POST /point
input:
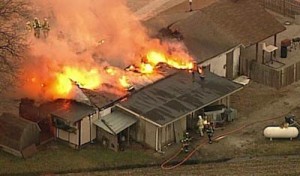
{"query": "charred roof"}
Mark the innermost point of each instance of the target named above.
(68, 110)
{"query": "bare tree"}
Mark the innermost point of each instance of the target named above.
(13, 14)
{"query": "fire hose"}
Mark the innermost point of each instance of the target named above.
(163, 165)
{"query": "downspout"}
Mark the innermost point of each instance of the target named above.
(275, 41)
(156, 140)
(90, 128)
(79, 135)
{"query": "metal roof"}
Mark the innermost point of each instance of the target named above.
(108, 94)
(115, 122)
(69, 110)
(176, 96)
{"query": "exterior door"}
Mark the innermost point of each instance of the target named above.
(229, 65)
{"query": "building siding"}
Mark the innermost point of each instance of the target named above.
(218, 63)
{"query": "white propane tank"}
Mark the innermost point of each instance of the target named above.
(278, 132)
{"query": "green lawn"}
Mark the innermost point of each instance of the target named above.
(59, 158)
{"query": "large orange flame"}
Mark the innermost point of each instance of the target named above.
(125, 82)
(155, 57)
(61, 84)
(89, 79)
(146, 68)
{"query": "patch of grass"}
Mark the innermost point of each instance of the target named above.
(58, 158)
(275, 147)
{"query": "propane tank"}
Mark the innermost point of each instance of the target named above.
(279, 132)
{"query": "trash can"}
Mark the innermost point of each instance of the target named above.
(283, 49)
(283, 52)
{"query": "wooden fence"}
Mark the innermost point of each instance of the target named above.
(275, 78)
(288, 8)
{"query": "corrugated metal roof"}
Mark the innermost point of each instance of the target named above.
(170, 99)
(112, 94)
(117, 122)
(68, 110)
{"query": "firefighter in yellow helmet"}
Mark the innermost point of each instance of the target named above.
(45, 27)
(37, 27)
(28, 26)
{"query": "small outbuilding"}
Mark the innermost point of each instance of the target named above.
(30, 110)
(114, 129)
(73, 121)
(18, 136)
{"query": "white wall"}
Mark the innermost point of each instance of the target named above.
(69, 137)
(105, 112)
(85, 130)
(217, 64)
(88, 129)
(236, 61)
(87, 133)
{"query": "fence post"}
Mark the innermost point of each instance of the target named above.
(282, 75)
(295, 72)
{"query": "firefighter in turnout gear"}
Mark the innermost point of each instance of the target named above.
(28, 26)
(210, 132)
(45, 27)
(37, 27)
(200, 125)
(186, 142)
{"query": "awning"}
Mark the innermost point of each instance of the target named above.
(115, 122)
(244, 80)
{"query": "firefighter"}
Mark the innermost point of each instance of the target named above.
(28, 26)
(205, 122)
(193, 75)
(193, 70)
(37, 27)
(210, 132)
(201, 72)
(186, 142)
(45, 27)
(200, 125)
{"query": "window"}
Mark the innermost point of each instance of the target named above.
(60, 124)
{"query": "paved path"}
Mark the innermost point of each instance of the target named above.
(155, 7)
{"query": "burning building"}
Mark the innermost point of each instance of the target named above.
(68, 120)
(149, 95)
